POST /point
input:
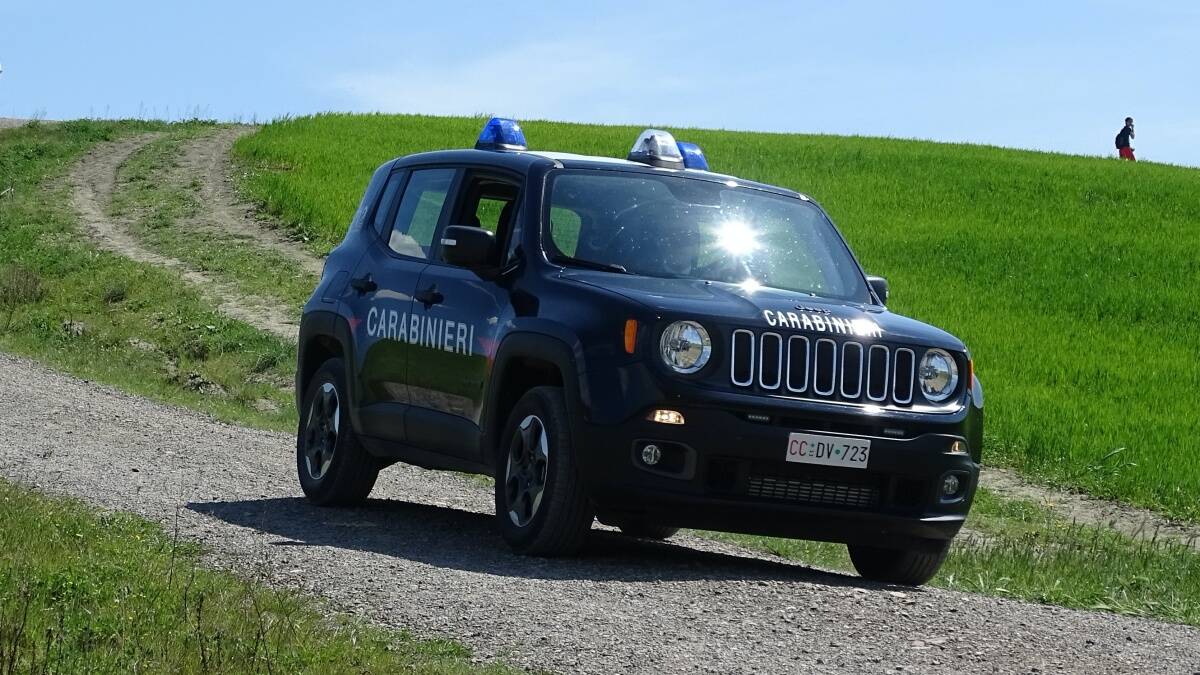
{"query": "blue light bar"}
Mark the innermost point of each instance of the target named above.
(501, 134)
(693, 156)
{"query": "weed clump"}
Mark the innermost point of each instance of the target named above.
(114, 294)
(19, 286)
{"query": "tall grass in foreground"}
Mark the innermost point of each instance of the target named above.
(1071, 278)
(81, 592)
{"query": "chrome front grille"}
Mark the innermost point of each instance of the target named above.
(822, 368)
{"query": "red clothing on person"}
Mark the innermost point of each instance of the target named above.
(1127, 153)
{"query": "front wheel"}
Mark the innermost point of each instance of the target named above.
(541, 507)
(333, 467)
(910, 567)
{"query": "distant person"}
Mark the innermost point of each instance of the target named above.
(1124, 148)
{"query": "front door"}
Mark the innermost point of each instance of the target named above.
(383, 286)
(460, 316)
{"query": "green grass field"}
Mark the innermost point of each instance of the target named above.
(142, 329)
(1067, 276)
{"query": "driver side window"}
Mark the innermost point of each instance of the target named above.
(491, 202)
(565, 226)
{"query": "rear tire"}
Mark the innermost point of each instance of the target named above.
(333, 468)
(541, 506)
(645, 530)
(910, 567)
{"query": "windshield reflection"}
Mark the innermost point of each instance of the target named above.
(689, 228)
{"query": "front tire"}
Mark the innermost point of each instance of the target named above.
(541, 506)
(910, 567)
(333, 468)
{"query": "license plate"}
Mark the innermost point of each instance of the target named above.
(852, 453)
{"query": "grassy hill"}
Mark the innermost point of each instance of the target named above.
(1069, 277)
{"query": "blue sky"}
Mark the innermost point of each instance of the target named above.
(1047, 75)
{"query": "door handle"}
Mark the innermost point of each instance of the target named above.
(364, 284)
(429, 296)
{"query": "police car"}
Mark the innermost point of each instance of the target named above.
(639, 341)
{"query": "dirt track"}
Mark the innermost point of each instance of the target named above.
(93, 181)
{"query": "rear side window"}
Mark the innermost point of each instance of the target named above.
(419, 212)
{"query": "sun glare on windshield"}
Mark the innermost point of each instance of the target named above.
(750, 285)
(737, 238)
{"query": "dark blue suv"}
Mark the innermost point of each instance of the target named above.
(636, 340)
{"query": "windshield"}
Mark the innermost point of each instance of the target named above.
(670, 226)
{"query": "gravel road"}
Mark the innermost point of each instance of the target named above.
(423, 555)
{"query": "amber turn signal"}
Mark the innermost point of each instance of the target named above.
(631, 327)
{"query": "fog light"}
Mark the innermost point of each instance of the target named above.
(651, 454)
(667, 417)
(950, 485)
(958, 447)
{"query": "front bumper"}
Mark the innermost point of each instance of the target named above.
(725, 469)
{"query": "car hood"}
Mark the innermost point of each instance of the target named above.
(766, 308)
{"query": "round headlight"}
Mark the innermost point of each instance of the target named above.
(685, 346)
(938, 375)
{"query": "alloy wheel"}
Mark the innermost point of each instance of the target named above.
(525, 478)
(321, 431)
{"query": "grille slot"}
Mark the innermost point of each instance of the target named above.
(811, 491)
(824, 363)
(741, 364)
(878, 361)
(822, 368)
(902, 381)
(852, 368)
(770, 361)
(798, 364)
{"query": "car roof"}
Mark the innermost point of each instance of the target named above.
(523, 160)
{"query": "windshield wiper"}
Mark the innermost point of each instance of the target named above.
(590, 264)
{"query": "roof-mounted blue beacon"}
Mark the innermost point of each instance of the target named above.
(501, 134)
(693, 156)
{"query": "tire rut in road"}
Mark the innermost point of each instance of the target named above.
(424, 555)
(93, 181)
(208, 159)
(1134, 522)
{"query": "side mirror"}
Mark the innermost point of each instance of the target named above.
(468, 246)
(880, 286)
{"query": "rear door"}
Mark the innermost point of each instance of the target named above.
(410, 211)
(460, 315)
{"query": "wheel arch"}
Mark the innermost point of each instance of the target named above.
(526, 360)
(323, 335)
